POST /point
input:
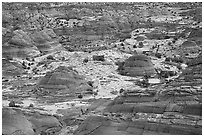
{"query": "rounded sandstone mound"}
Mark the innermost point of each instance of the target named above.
(188, 44)
(20, 45)
(46, 40)
(11, 68)
(64, 78)
(24, 44)
(189, 47)
(138, 65)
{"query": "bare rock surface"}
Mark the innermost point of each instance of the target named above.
(15, 123)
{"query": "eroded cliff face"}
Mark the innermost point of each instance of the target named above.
(82, 68)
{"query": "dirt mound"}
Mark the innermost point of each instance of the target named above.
(137, 65)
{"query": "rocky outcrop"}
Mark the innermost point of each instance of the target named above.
(14, 123)
(45, 124)
(21, 121)
(97, 125)
(169, 109)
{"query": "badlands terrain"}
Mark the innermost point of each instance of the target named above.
(102, 68)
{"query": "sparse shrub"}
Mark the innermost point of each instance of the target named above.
(169, 43)
(80, 96)
(24, 65)
(158, 55)
(85, 60)
(114, 92)
(63, 58)
(69, 49)
(179, 67)
(95, 93)
(177, 60)
(120, 65)
(168, 59)
(31, 105)
(166, 37)
(121, 90)
(12, 104)
(98, 58)
(141, 45)
(28, 59)
(9, 58)
(90, 90)
(175, 38)
(166, 75)
(172, 73)
(188, 78)
(90, 83)
(50, 57)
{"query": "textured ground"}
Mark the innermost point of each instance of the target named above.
(38, 38)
